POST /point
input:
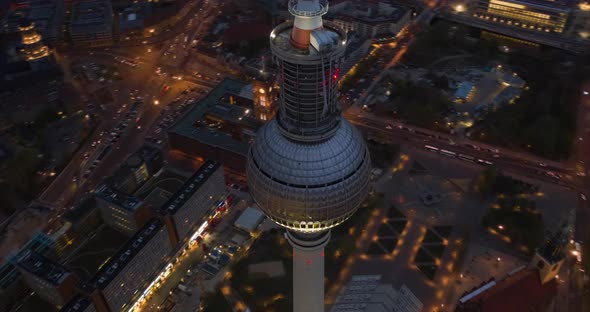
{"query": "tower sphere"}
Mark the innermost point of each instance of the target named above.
(308, 187)
(308, 169)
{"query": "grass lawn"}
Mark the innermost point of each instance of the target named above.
(385, 230)
(428, 270)
(398, 225)
(216, 302)
(431, 237)
(90, 257)
(375, 249)
(423, 256)
(258, 290)
(436, 250)
(389, 244)
(443, 230)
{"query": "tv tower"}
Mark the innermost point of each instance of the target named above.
(308, 168)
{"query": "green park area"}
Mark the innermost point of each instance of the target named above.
(513, 214)
(542, 120)
(419, 104)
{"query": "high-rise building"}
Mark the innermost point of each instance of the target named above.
(33, 47)
(121, 211)
(128, 273)
(194, 201)
(308, 168)
(92, 23)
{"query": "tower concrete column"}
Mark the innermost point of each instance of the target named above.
(308, 270)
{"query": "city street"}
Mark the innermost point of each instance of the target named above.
(141, 81)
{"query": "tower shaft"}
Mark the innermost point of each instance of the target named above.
(308, 271)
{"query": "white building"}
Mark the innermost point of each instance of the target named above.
(200, 195)
(249, 219)
(366, 293)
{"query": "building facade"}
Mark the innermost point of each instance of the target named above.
(199, 196)
(51, 281)
(121, 211)
(137, 169)
(544, 16)
(125, 276)
(91, 23)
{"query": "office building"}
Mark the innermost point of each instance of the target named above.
(128, 273)
(308, 168)
(265, 100)
(367, 293)
(137, 169)
(370, 21)
(219, 126)
(535, 15)
(33, 48)
(121, 211)
(197, 199)
(49, 280)
(91, 23)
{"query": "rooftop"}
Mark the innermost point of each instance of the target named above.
(91, 12)
(191, 186)
(188, 125)
(388, 13)
(42, 267)
(145, 154)
(78, 303)
(520, 291)
(116, 264)
(249, 219)
(281, 38)
(120, 199)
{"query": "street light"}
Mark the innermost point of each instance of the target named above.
(156, 102)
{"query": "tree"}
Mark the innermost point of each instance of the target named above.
(485, 181)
